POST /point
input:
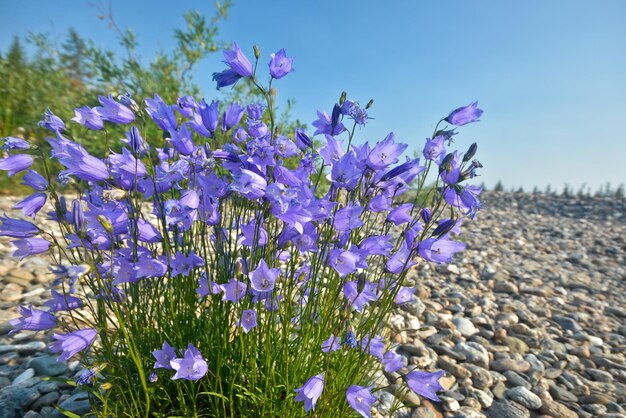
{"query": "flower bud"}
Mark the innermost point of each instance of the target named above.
(105, 223)
(470, 152)
(342, 99)
(444, 227)
(334, 119)
(257, 53)
(78, 217)
(426, 215)
(369, 104)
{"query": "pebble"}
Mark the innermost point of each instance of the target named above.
(524, 397)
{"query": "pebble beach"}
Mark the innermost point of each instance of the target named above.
(529, 321)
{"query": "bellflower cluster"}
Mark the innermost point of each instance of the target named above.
(274, 257)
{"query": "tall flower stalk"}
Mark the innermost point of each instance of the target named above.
(212, 276)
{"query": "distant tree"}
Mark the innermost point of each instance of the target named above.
(499, 187)
(567, 192)
(75, 58)
(619, 192)
(536, 190)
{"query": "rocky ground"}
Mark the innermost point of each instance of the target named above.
(529, 322)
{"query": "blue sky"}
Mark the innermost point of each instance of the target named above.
(550, 75)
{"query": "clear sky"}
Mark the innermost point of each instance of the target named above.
(550, 75)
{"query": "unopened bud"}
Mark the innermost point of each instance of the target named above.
(369, 104)
(444, 227)
(105, 223)
(470, 152)
(257, 53)
(342, 98)
(426, 215)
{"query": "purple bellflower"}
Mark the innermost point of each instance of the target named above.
(385, 153)
(439, 250)
(262, 279)
(17, 228)
(52, 122)
(191, 367)
(32, 204)
(331, 344)
(164, 356)
(89, 118)
(280, 65)
(113, 111)
(30, 246)
(360, 399)
(310, 392)
(237, 61)
(234, 290)
(62, 302)
(14, 164)
(425, 384)
(72, 343)
(248, 320)
(32, 320)
(392, 361)
(12, 143)
(464, 115)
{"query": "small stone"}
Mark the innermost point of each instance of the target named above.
(464, 326)
(25, 375)
(515, 344)
(524, 397)
(599, 375)
(467, 412)
(451, 367)
(505, 287)
(556, 409)
(46, 400)
(507, 409)
(47, 366)
(595, 398)
(502, 365)
(473, 353)
(77, 403)
(567, 323)
(514, 379)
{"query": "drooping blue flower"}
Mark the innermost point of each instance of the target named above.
(434, 149)
(12, 143)
(345, 172)
(439, 250)
(255, 111)
(280, 65)
(237, 61)
(89, 118)
(405, 295)
(182, 140)
(285, 147)
(401, 214)
(348, 218)
(232, 116)
(425, 384)
(464, 115)
(16, 163)
(360, 399)
(32, 204)
(374, 346)
(191, 367)
(32, 319)
(392, 361)
(226, 78)
(72, 343)
(30, 246)
(113, 111)
(52, 122)
(310, 392)
(186, 106)
(62, 302)
(183, 264)
(302, 140)
(87, 376)
(17, 228)
(162, 114)
(400, 261)
(83, 165)
(377, 245)
(164, 356)
(358, 300)
(35, 180)
(249, 184)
